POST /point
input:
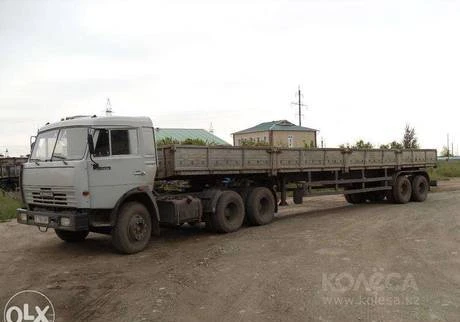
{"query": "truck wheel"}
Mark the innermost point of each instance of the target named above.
(298, 196)
(260, 206)
(402, 190)
(72, 236)
(348, 198)
(355, 198)
(229, 213)
(132, 231)
(419, 188)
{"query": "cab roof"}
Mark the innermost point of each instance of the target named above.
(101, 121)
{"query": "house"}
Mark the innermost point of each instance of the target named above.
(277, 133)
(180, 135)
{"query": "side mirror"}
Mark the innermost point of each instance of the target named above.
(90, 144)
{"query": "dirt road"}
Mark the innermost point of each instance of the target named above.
(332, 262)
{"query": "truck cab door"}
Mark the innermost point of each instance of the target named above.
(120, 166)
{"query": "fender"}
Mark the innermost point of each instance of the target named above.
(144, 196)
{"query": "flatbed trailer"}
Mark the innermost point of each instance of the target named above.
(312, 171)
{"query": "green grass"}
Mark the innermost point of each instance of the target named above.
(445, 170)
(8, 206)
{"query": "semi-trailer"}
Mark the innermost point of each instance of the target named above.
(106, 175)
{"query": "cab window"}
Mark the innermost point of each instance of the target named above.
(115, 142)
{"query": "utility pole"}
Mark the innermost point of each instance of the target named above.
(448, 153)
(299, 104)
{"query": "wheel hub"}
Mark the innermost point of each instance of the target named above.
(137, 228)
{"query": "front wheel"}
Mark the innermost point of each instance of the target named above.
(132, 231)
(72, 236)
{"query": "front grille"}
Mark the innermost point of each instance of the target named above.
(58, 197)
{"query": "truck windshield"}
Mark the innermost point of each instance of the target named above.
(60, 144)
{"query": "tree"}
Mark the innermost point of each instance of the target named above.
(409, 139)
(194, 142)
(396, 145)
(188, 141)
(167, 141)
(445, 152)
(361, 145)
(310, 145)
(384, 146)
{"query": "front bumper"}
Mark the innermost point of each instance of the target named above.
(66, 220)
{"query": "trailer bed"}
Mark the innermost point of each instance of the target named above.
(178, 161)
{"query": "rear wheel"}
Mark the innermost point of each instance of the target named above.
(356, 198)
(229, 213)
(419, 188)
(72, 236)
(348, 198)
(132, 231)
(298, 196)
(260, 206)
(402, 190)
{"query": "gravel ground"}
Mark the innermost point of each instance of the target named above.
(325, 260)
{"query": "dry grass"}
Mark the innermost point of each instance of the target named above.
(446, 169)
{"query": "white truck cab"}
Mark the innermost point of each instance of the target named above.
(82, 169)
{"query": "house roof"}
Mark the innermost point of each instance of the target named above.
(183, 134)
(281, 125)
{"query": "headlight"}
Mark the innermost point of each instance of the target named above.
(65, 221)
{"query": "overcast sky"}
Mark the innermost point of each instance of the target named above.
(366, 67)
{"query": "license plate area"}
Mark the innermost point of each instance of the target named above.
(41, 220)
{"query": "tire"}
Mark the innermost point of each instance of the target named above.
(298, 196)
(72, 236)
(356, 198)
(420, 188)
(260, 206)
(348, 198)
(229, 215)
(133, 229)
(402, 190)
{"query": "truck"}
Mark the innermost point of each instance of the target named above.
(106, 175)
